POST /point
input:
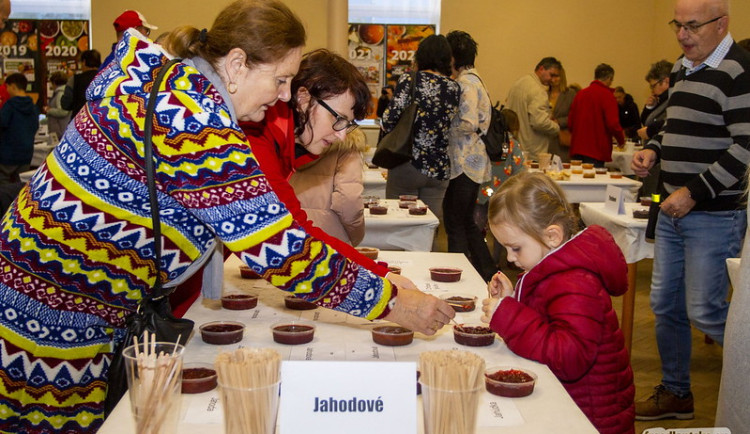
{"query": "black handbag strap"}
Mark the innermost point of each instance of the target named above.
(158, 292)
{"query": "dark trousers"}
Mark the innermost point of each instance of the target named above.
(464, 236)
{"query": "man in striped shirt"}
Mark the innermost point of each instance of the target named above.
(704, 153)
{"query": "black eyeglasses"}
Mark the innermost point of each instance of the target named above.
(690, 27)
(341, 122)
(656, 83)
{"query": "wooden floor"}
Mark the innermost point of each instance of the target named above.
(705, 368)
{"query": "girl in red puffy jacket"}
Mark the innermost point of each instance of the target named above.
(560, 312)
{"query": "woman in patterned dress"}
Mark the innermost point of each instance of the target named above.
(428, 173)
(76, 251)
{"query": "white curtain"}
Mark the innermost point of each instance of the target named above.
(51, 9)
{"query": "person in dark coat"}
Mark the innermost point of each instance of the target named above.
(75, 94)
(19, 120)
(629, 115)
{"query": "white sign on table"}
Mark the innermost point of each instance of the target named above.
(347, 397)
(615, 200)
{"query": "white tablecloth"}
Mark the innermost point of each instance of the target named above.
(549, 409)
(399, 230)
(579, 189)
(374, 182)
(628, 232)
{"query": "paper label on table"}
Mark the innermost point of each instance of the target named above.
(325, 315)
(556, 163)
(687, 431)
(615, 200)
(203, 408)
(345, 397)
(342, 352)
(498, 411)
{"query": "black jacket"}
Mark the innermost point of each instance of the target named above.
(19, 120)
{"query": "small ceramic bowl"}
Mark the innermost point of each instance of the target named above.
(509, 381)
(418, 209)
(461, 303)
(293, 332)
(392, 335)
(294, 303)
(370, 252)
(473, 335)
(248, 273)
(378, 209)
(222, 332)
(198, 377)
(239, 301)
(445, 274)
(408, 197)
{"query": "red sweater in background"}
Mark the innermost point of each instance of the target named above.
(593, 121)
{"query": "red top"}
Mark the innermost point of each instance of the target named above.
(565, 320)
(593, 120)
(273, 144)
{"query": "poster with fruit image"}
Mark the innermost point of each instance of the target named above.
(401, 44)
(63, 40)
(19, 51)
(366, 51)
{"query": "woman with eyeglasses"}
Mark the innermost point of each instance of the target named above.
(655, 110)
(328, 96)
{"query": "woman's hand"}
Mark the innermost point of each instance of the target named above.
(420, 312)
(400, 281)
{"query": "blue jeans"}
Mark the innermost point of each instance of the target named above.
(690, 284)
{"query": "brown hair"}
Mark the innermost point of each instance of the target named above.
(532, 202)
(266, 30)
(58, 78)
(326, 74)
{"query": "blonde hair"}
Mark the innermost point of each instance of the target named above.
(532, 201)
(266, 30)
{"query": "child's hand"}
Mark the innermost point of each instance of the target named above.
(500, 286)
(489, 305)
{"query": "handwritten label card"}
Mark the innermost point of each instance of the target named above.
(347, 397)
(615, 200)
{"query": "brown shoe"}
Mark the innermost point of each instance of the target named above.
(664, 404)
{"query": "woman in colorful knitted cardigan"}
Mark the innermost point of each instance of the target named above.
(76, 252)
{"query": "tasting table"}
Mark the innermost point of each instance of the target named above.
(579, 189)
(339, 337)
(399, 230)
(630, 235)
(373, 181)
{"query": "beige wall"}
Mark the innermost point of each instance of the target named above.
(512, 35)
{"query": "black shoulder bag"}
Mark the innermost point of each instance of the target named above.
(394, 148)
(496, 140)
(154, 312)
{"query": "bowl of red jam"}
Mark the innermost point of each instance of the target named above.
(198, 378)
(247, 273)
(378, 209)
(392, 335)
(370, 252)
(294, 303)
(473, 335)
(293, 332)
(222, 332)
(418, 209)
(239, 301)
(445, 274)
(509, 381)
(461, 303)
(408, 197)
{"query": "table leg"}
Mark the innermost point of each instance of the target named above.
(628, 307)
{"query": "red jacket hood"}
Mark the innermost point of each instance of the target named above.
(592, 249)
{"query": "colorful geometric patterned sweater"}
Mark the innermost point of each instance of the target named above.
(76, 248)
